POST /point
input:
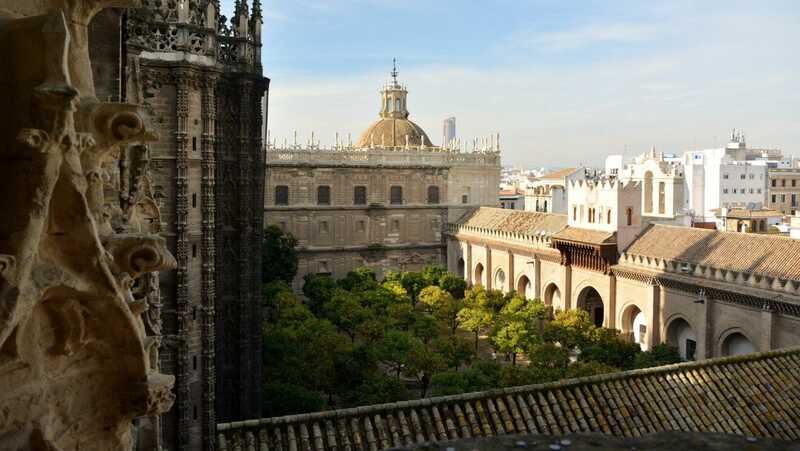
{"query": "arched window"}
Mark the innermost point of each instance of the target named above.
(398, 105)
(500, 280)
(629, 216)
(323, 195)
(388, 104)
(574, 213)
(648, 192)
(396, 195)
(281, 195)
(545, 207)
(433, 194)
(360, 195)
(608, 216)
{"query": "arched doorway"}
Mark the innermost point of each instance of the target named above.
(478, 279)
(737, 344)
(634, 325)
(500, 280)
(524, 287)
(589, 299)
(461, 269)
(681, 336)
(552, 295)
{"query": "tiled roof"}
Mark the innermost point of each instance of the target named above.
(746, 213)
(754, 395)
(586, 236)
(769, 255)
(514, 221)
(558, 175)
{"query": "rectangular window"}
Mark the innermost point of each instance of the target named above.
(323, 226)
(742, 176)
(281, 195)
(774, 183)
(751, 191)
(783, 198)
(323, 195)
(396, 195)
(194, 200)
(752, 176)
(464, 199)
(794, 183)
(194, 143)
(783, 182)
(774, 198)
(433, 194)
(794, 200)
(360, 195)
(725, 176)
(725, 190)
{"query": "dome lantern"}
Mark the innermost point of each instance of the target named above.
(395, 129)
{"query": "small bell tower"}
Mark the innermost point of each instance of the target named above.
(393, 98)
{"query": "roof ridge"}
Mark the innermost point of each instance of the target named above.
(563, 383)
(726, 232)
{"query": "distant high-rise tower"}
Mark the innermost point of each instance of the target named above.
(449, 132)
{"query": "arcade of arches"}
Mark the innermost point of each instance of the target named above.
(645, 309)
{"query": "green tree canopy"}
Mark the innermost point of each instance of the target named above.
(279, 261)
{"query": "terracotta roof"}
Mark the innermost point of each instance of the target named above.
(769, 255)
(753, 395)
(745, 213)
(586, 236)
(560, 174)
(514, 221)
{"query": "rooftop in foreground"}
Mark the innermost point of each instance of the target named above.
(754, 395)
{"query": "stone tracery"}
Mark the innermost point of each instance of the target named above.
(75, 262)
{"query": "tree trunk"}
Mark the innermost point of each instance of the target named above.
(476, 342)
(513, 359)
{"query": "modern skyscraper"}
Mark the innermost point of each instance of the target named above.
(449, 131)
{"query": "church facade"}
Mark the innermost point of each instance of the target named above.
(197, 78)
(383, 202)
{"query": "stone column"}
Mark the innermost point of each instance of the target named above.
(468, 267)
(566, 296)
(611, 315)
(767, 326)
(537, 273)
(488, 270)
(653, 318)
(511, 277)
(705, 336)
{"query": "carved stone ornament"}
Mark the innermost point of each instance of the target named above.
(76, 362)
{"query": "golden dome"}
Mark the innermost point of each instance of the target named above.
(391, 132)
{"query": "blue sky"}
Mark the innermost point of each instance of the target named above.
(564, 82)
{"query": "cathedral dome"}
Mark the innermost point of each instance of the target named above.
(392, 132)
(394, 129)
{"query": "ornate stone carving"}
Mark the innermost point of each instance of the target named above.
(76, 362)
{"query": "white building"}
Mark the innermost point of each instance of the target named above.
(608, 205)
(662, 184)
(733, 176)
(548, 194)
